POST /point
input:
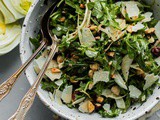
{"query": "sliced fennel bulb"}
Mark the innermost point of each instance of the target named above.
(22, 6)
(12, 31)
(2, 24)
(10, 7)
(11, 46)
(9, 18)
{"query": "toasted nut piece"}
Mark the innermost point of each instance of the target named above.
(60, 59)
(141, 72)
(150, 30)
(90, 73)
(90, 86)
(93, 27)
(113, 76)
(98, 105)
(118, 43)
(73, 59)
(55, 70)
(91, 107)
(134, 17)
(94, 66)
(115, 90)
(110, 63)
(82, 6)
(151, 40)
(73, 81)
(98, 38)
(100, 99)
(111, 54)
(75, 56)
(62, 19)
(129, 29)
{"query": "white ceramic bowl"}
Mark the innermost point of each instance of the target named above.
(30, 29)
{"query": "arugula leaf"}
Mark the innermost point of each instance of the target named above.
(35, 41)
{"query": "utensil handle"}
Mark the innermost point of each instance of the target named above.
(7, 86)
(28, 99)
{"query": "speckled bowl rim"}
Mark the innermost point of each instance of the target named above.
(41, 96)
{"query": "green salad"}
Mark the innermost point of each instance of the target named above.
(108, 58)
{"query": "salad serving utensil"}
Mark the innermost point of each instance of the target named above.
(7, 86)
(28, 99)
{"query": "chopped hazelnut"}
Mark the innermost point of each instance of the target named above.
(134, 17)
(91, 107)
(111, 54)
(73, 59)
(93, 27)
(98, 105)
(90, 86)
(100, 99)
(90, 73)
(94, 66)
(60, 59)
(73, 81)
(82, 6)
(129, 28)
(115, 90)
(113, 76)
(55, 70)
(150, 30)
(110, 63)
(151, 40)
(74, 56)
(62, 19)
(98, 38)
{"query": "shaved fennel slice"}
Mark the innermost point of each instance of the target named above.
(122, 23)
(113, 33)
(100, 75)
(150, 80)
(57, 96)
(137, 27)
(132, 9)
(78, 101)
(83, 107)
(157, 29)
(107, 107)
(91, 53)
(147, 16)
(134, 92)
(16, 14)
(126, 63)
(9, 18)
(87, 38)
(108, 94)
(53, 64)
(11, 46)
(119, 80)
(59, 82)
(157, 60)
(67, 94)
(120, 103)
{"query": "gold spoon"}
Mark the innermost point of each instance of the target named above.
(7, 86)
(29, 97)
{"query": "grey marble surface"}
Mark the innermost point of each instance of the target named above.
(8, 64)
